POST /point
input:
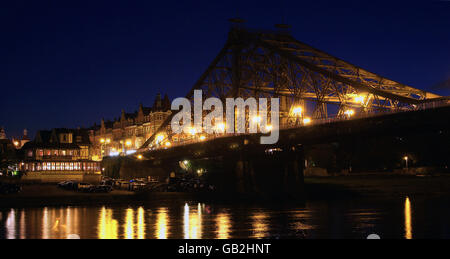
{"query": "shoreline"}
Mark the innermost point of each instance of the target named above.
(316, 188)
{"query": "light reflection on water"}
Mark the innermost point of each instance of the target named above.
(192, 220)
(162, 224)
(408, 224)
(260, 225)
(223, 225)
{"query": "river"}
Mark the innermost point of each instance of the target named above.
(389, 218)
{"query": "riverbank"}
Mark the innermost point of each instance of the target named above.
(51, 195)
(316, 188)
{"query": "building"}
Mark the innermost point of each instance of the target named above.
(59, 154)
(8, 154)
(20, 142)
(130, 131)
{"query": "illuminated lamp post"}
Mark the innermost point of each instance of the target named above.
(297, 112)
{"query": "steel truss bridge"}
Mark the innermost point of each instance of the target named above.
(313, 87)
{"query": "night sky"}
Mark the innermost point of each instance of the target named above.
(71, 63)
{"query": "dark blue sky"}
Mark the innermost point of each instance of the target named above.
(70, 63)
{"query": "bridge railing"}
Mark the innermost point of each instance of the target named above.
(328, 120)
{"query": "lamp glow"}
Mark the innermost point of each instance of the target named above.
(306, 121)
(221, 127)
(297, 111)
(256, 119)
(349, 113)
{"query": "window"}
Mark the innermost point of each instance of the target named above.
(58, 167)
(63, 152)
(53, 167)
(55, 152)
(30, 153)
(41, 152)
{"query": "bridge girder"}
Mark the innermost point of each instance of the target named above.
(274, 64)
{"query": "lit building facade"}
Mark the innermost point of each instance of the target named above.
(59, 151)
(129, 132)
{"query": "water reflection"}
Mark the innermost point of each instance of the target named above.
(223, 224)
(162, 224)
(260, 225)
(141, 224)
(192, 222)
(197, 220)
(408, 224)
(22, 225)
(45, 224)
(129, 224)
(108, 227)
(11, 225)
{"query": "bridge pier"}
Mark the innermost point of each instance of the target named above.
(273, 174)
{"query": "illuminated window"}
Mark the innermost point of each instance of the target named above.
(55, 152)
(53, 166)
(71, 167)
(63, 152)
(48, 152)
(44, 166)
(58, 167)
(30, 153)
(41, 152)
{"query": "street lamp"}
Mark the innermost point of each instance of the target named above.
(256, 119)
(297, 111)
(159, 138)
(349, 113)
(193, 131)
(306, 121)
(220, 127)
